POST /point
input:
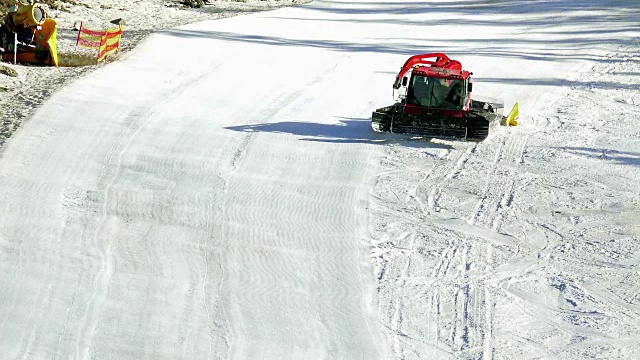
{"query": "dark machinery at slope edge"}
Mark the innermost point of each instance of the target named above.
(28, 35)
(434, 100)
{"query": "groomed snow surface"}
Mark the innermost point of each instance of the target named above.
(218, 193)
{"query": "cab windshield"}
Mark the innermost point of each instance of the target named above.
(436, 92)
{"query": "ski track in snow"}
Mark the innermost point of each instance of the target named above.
(544, 262)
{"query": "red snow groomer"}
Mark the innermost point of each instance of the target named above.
(433, 96)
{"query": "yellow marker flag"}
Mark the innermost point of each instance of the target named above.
(512, 119)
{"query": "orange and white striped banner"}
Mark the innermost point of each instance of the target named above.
(89, 38)
(110, 42)
(106, 41)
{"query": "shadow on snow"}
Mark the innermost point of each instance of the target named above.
(536, 23)
(620, 157)
(348, 131)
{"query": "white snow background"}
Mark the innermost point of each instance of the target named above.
(218, 193)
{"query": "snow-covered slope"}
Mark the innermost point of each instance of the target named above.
(218, 193)
(526, 245)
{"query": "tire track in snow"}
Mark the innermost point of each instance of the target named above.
(449, 303)
(289, 208)
(138, 121)
(487, 331)
(469, 302)
(458, 304)
(436, 178)
(491, 208)
(397, 315)
(447, 174)
(106, 266)
(500, 180)
(466, 295)
(570, 272)
(44, 295)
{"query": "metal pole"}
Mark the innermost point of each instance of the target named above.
(15, 47)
